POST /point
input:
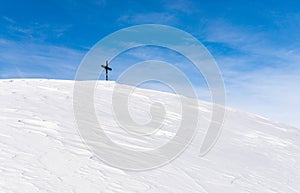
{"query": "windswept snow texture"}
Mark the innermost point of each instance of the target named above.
(41, 150)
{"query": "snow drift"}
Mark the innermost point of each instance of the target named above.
(41, 149)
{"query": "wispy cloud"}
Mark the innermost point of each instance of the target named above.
(145, 18)
(8, 19)
(184, 6)
(27, 60)
(34, 30)
(261, 76)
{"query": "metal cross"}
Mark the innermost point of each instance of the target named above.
(106, 69)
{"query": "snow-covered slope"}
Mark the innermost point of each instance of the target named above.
(41, 150)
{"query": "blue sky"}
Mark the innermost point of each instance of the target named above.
(256, 44)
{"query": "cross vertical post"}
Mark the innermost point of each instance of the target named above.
(106, 69)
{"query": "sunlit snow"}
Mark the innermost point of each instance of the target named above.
(41, 149)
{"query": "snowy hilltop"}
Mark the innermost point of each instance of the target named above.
(41, 149)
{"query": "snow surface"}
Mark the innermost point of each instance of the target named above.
(41, 150)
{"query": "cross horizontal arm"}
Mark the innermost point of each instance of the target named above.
(106, 67)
